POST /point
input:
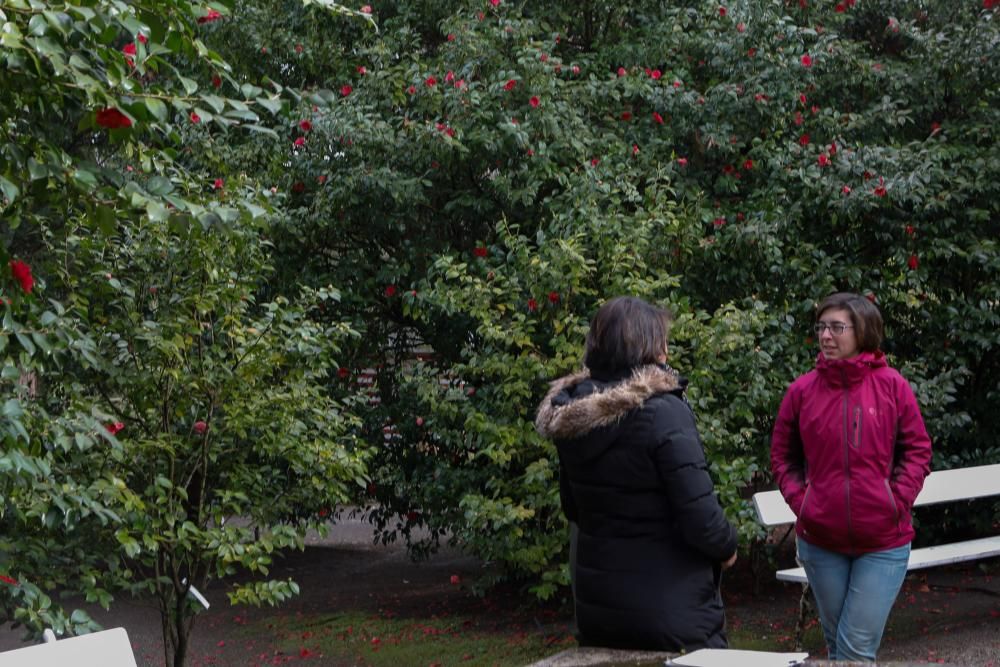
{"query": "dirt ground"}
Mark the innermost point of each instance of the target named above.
(942, 615)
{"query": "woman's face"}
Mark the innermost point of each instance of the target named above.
(837, 346)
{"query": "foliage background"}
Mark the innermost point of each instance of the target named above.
(474, 179)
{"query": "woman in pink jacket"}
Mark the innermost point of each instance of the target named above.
(850, 453)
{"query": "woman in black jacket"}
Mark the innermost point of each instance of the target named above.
(652, 537)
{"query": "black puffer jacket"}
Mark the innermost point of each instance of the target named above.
(652, 534)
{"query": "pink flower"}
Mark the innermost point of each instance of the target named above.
(449, 77)
(115, 428)
(412, 90)
(300, 142)
(22, 274)
(621, 71)
(212, 15)
(741, 27)
(305, 125)
(195, 118)
(451, 37)
(510, 85)
(142, 38)
(722, 11)
(806, 60)
(362, 70)
(367, 9)
(677, 84)
(455, 579)
(658, 118)
(682, 161)
(200, 427)
(346, 90)
(798, 118)
(594, 162)
(218, 184)
(419, 421)
(534, 102)
(635, 149)
(655, 74)
(846, 189)
(576, 69)
(495, 3)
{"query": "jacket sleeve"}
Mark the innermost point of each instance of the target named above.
(787, 457)
(912, 458)
(683, 470)
(566, 494)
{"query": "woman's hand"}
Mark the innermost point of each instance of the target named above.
(729, 563)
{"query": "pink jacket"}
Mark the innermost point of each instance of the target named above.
(850, 453)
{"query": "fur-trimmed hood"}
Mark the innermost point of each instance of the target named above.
(577, 404)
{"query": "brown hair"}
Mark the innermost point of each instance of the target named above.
(865, 317)
(626, 332)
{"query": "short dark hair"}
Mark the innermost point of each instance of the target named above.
(626, 332)
(865, 317)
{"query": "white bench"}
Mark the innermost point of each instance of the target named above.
(940, 487)
(109, 648)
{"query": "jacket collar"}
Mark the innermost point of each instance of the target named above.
(578, 404)
(849, 372)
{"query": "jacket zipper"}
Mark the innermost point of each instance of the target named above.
(847, 457)
(892, 502)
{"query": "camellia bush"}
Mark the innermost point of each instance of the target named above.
(166, 415)
(493, 171)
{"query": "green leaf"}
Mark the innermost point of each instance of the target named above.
(157, 108)
(9, 190)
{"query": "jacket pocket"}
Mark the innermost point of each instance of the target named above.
(893, 505)
(802, 507)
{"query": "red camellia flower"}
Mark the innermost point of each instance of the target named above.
(200, 427)
(217, 81)
(823, 160)
(430, 82)
(218, 184)
(728, 169)
(346, 90)
(553, 297)
(990, 4)
(480, 251)
(806, 60)
(635, 149)
(798, 120)
(22, 274)
(305, 125)
(510, 85)
(722, 11)
(212, 15)
(748, 165)
(682, 161)
(534, 102)
(719, 222)
(455, 579)
(142, 38)
(655, 74)
(833, 149)
(751, 52)
(910, 230)
(449, 77)
(626, 115)
(495, 3)
(913, 262)
(804, 140)
(576, 69)
(621, 71)
(301, 141)
(840, 8)
(741, 27)
(846, 189)
(115, 428)
(298, 187)
(129, 51)
(367, 9)
(658, 118)
(532, 305)
(419, 421)
(594, 162)
(390, 291)
(412, 90)
(195, 118)
(112, 119)
(880, 190)
(8, 580)
(343, 373)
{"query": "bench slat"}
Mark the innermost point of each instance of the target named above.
(941, 486)
(942, 554)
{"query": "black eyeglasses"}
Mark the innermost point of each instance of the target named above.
(836, 328)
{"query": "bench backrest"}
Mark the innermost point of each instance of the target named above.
(110, 648)
(942, 486)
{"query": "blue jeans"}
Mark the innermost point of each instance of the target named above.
(854, 595)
